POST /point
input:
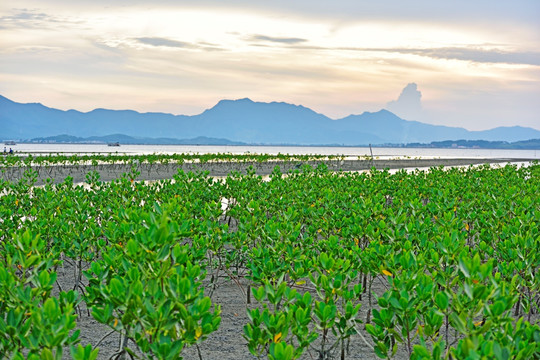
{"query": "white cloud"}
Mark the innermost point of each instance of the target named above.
(409, 103)
(281, 40)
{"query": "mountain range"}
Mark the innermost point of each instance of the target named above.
(239, 121)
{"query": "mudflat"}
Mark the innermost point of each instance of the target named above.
(157, 171)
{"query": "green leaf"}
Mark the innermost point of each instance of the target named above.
(47, 354)
(132, 247)
(458, 323)
(441, 299)
(371, 330)
(420, 352)
(464, 267)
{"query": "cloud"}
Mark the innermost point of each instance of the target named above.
(26, 18)
(282, 40)
(34, 19)
(170, 43)
(475, 54)
(24, 15)
(158, 41)
(523, 11)
(409, 103)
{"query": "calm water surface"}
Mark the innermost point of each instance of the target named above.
(297, 150)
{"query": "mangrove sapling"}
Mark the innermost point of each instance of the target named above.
(407, 301)
(445, 272)
(33, 322)
(156, 298)
(281, 328)
(336, 310)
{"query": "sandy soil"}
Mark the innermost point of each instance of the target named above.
(227, 343)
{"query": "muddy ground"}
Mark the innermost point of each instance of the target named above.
(109, 172)
(227, 343)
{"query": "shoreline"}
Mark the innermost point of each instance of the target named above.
(157, 171)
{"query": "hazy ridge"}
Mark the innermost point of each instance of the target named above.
(237, 122)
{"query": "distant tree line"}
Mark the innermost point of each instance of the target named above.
(480, 144)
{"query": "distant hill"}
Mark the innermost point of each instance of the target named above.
(238, 121)
(125, 139)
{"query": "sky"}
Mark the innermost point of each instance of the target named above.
(473, 64)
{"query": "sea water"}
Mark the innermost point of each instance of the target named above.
(378, 152)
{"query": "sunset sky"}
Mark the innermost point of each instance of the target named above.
(474, 64)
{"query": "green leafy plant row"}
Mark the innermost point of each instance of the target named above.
(438, 264)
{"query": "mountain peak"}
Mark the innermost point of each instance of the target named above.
(236, 101)
(382, 112)
(385, 112)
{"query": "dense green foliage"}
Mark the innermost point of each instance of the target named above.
(439, 264)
